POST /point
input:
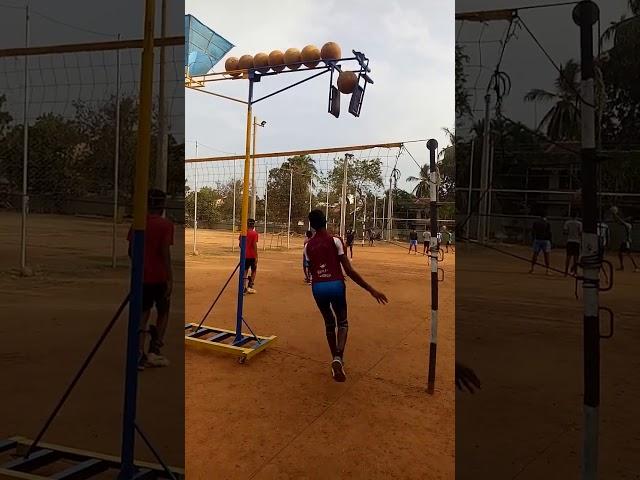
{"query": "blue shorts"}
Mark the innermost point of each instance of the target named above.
(541, 246)
(414, 243)
(305, 262)
(331, 298)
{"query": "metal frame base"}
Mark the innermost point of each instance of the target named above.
(212, 338)
(67, 463)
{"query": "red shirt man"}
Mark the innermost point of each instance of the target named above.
(157, 279)
(251, 256)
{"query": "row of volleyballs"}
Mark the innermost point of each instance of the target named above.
(310, 56)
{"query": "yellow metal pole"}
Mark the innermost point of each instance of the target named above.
(244, 217)
(139, 222)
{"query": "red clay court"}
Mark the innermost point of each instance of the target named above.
(281, 415)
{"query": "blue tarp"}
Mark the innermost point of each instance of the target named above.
(203, 47)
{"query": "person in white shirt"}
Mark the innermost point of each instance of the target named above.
(573, 231)
(603, 236)
(426, 240)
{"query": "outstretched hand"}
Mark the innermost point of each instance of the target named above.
(466, 379)
(379, 296)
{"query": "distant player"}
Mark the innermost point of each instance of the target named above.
(573, 230)
(305, 262)
(370, 236)
(541, 236)
(603, 237)
(251, 257)
(446, 238)
(426, 241)
(326, 254)
(625, 246)
(413, 241)
(157, 279)
(350, 238)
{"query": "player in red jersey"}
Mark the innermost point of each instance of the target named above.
(157, 281)
(326, 256)
(251, 257)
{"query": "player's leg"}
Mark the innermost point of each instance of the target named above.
(254, 272)
(621, 257)
(147, 305)
(323, 301)
(567, 259)
(163, 303)
(546, 251)
(339, 305)
(534, 258)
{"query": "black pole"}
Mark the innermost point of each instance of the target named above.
(585, 15)
(432, 145)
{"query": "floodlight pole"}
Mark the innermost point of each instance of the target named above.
(290, 198)
(432, 145)
(266, 200)
(585, 15)
(484, 175)
(25, 151)
(162, 162)
(116, 168)
(195, 206)
(326, 208)
(253, 167)
(470, 193)
(128, 468)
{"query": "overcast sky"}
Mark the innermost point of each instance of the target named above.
(410, 45)
(523, 60)
(92, 75)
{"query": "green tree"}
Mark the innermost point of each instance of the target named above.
(462, 96)
(562, 121)
(303, 169)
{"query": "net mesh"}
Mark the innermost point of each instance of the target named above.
(71, 148)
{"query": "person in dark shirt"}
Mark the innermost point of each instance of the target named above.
(350, 237)
(326, 256)
(541, 235)
(625, 245)
(413, 241)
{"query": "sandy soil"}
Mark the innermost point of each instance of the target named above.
(281, 415)
(51, 321)
(523, 335)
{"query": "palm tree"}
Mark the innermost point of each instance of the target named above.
(562, 121)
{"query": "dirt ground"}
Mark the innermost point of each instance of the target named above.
(523, 336)
(51, 320)
(281, 415)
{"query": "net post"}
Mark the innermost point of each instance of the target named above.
(432, 145)
(585, 15)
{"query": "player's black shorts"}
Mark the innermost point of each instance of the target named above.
(155, 294)
(426, 243)
(573, 249)
(625, 247)
(250, 263)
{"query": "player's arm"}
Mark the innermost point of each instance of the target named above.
(355, 276)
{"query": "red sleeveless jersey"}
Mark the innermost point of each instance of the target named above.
(323, 252)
